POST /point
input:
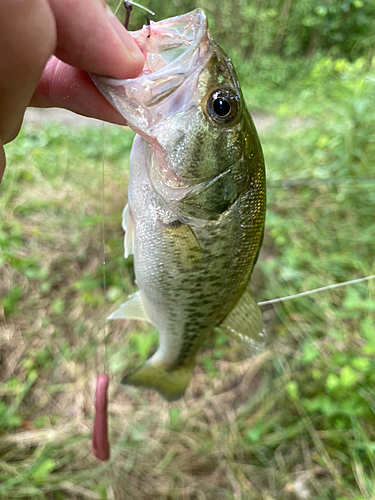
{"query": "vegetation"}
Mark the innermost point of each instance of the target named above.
(294, 422)
(279, 27)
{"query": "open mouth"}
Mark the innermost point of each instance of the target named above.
(173, 50)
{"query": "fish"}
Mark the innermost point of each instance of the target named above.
(196, 208)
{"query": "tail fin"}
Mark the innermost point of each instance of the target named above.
(171, 383)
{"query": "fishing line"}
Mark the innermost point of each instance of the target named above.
(100, 358)
(143, 7)
(316, 290)
(130, 4)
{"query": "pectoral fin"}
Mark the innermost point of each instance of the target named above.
(181, 241)
(132, 309)
(170, 383)
(245, 323)
(128, 226)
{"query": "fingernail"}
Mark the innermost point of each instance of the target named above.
(133, 53)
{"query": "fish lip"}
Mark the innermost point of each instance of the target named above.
(197, 19)
(133, 97)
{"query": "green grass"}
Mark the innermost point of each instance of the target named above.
(297, 418)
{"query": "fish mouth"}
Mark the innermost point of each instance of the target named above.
(174, 51)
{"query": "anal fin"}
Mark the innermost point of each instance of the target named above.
(132, 309)
(244, 323)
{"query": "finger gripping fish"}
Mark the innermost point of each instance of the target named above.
(196, 203)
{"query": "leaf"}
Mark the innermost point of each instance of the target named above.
(41, 472)
(348, 376)
(332, 381)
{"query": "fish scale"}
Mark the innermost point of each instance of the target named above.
(196, 202)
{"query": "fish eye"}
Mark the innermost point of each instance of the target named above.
(223, 106)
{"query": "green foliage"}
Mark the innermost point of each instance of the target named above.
(286, 28)
(321, 225)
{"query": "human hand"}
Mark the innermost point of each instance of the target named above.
(46, 47)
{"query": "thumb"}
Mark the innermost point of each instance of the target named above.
(91, 38)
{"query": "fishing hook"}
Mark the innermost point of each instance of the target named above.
(148, 23)
(128, 7)
(128, 4)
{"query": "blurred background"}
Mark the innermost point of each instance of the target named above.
(294, 422)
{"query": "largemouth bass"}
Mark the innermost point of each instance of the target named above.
(196, 202)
